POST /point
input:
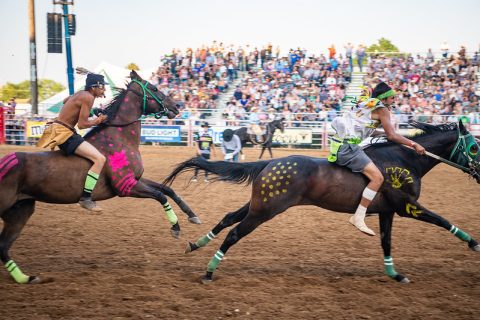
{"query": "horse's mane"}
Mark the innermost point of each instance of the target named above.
(110, 111)
(426, 130)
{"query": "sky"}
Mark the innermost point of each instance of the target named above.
(140, 31)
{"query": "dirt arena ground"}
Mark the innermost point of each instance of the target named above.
(306, 263)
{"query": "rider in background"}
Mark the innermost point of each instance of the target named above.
(357, 125)
(255, 124)
(62, 133)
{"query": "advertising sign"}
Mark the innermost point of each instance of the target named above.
(161, 134)
(35, 128)
(293, 136)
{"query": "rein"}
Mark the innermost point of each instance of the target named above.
(460, 147)
(144, 97)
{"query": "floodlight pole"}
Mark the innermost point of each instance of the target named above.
(68, 46)
(33, 57)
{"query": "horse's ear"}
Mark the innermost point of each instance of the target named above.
(133, 75)
(462, 128)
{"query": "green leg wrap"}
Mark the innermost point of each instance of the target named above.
(171, 216)
(213, 264)
(91, 181)
(203, 241)
(389, 269)
(462, 235)
(16, 273)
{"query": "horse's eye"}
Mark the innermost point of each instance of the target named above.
(474, 149)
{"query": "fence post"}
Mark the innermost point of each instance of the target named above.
(325, 135)
(2, 125)
(189, 133)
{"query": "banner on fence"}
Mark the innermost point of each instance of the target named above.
(2, 126)
(161, 134)
(293, 136)
(35, 128)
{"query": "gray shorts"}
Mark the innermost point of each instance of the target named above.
(352, 157)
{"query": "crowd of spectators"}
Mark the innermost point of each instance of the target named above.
(196, 78)
(430, 90)
(299, 87)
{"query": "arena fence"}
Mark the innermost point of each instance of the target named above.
(299, 133)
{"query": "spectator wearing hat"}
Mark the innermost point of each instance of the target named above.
(205, 147)
(231, 146)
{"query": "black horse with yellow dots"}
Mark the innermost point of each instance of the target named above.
(281, 183)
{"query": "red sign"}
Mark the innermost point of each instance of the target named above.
(2, 125)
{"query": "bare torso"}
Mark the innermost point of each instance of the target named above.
(70, 112)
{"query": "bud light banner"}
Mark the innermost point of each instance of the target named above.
(161, 134)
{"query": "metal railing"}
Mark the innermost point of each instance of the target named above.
(22, 130)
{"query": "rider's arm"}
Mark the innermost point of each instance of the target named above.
(384, 117)
(86, 105)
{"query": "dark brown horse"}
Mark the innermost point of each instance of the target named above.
(54, 178)
(298, 180)
(267, 137)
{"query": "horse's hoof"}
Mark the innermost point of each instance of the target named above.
(38, 280)
(476, 248)
(194, 220)
(401, 279)
(175, 233)
(206, 279)
(473, 245)
(190, 247)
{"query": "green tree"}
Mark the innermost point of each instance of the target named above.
(383, 45)
(46, 89)
(132, 66)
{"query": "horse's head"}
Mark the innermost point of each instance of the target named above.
(154, 101)
(279, 124)
(465, 152)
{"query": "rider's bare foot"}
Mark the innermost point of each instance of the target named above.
(89, 204)
(360, 225)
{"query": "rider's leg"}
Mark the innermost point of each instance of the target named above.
(86, 150)
(369, 193)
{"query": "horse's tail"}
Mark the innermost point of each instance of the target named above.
(234, 172)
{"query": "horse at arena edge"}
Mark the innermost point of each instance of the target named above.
(54, 178)
(267, 137)
(279, 184)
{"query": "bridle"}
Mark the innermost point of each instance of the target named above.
(145, 97)
(460, 157)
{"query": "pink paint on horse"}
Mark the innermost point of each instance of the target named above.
(7, 163)
(118, 160)
(126, 184)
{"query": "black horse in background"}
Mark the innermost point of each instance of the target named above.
(299, 180)
(267, 137)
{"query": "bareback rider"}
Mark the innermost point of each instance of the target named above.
(357, 125)
(61, 133)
